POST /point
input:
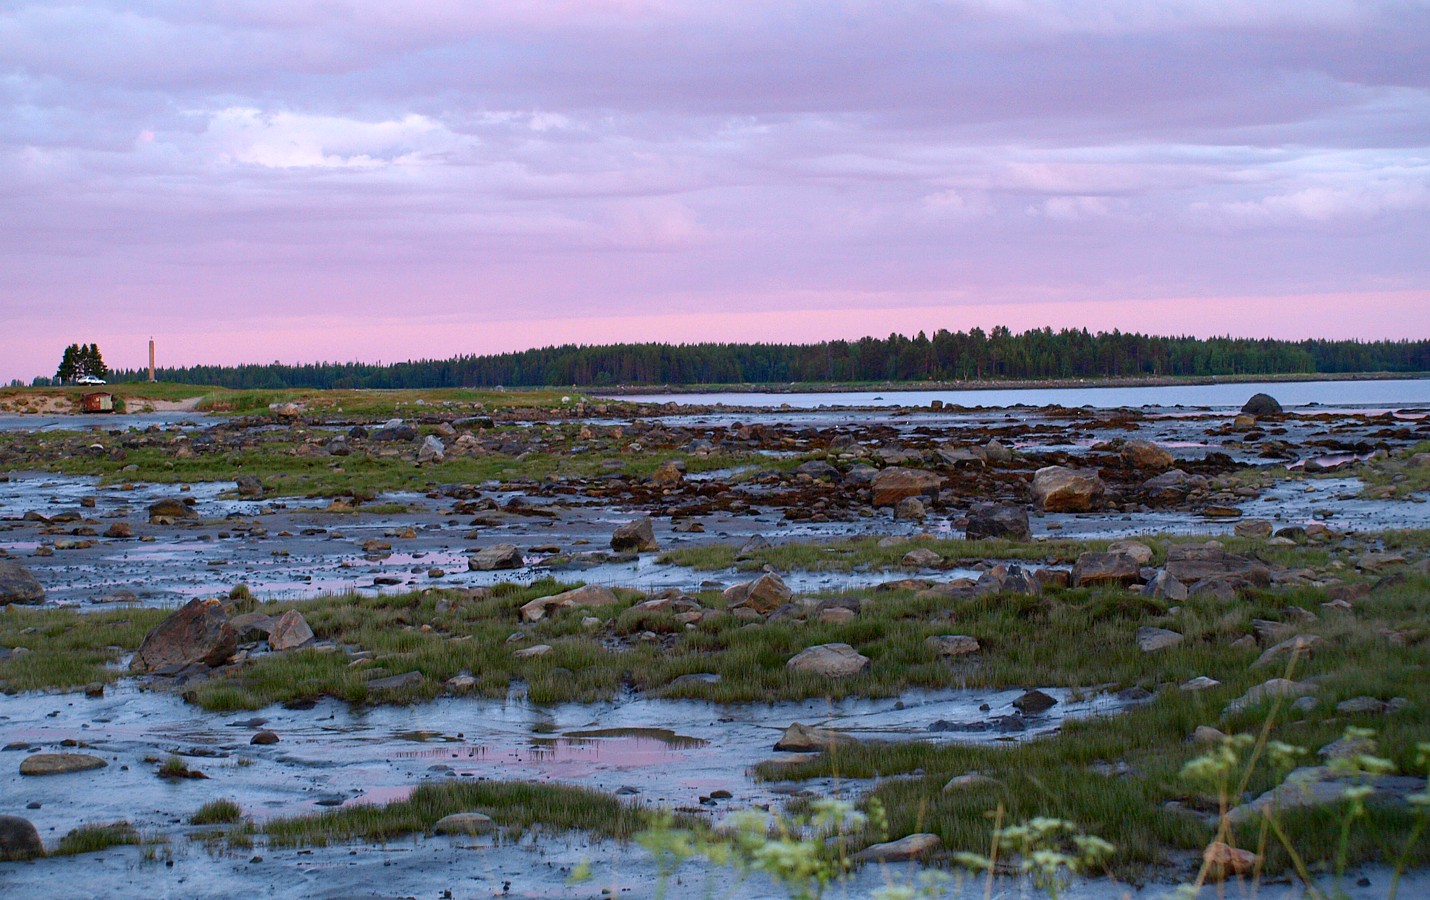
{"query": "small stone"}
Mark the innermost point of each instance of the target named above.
(533, 651)
(264, 737)
(1201, 683)
(1225, 861)
(1206, 734)
(1034, 702)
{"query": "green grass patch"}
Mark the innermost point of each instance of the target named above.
(514, 805)
(217, 812)
(94, 838)
(69, 649)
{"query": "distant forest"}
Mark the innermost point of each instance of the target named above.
(946, 356)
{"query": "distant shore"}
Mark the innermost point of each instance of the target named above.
(1002, 384)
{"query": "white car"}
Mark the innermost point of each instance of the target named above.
(89, 379)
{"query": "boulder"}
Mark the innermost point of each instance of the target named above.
(1276, 687)
(1261, 405)
(1165, 587)
(17, 585)
(464, 823)
(60, 763)
(290, 632)
(1135, 549)
(533, 651)
(1008, 579)
(969, 781)
(998, 520)
(197, 633)
(914, 846)
(807, 739)
(431, 450)
(394, 431)
(1146, 455)
(952, 644)
(763, 595)
(829, 660)
(921, 558)
(1253, 528)
(1034, 702)
(264, 738)
(1311, 786)
(755, 544)
(1173, 486)
(119, 530)
(500, 556)
(170, 508)
(911, 509)
(1190, 563)
(635, 537)
(1301, 646)
(895, 483)
(1224, 861)
(1093, 569)
(19, 839)
(670, 472)
(1060, 489)
(249, 487)
(1150, 640)
(819, 470)
(396, 682)
(587, 596)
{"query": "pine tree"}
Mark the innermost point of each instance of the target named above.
(69, 364)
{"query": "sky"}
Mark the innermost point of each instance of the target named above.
(334, 180)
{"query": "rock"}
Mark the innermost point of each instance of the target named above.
(807, 739)
(1261, 405)
(1008, 579)
(119, 531)
(1321, 785)
(19, 839)
(1276, 687)
(763, 595)
(952, 644)
(1224, 861)
(197, 633)
(1200, 683)
(922, 558)
(670, 472)
(464, 823)
(1093, 569)
(94, 689)
(587, 596)
(1191, 563)
(1347, 748)
(635, 537)
(1135, 549)
(249, 487)
(263, 738)
(1060, 489)
(895, 483)
(914, 846)
(753, 545)
(1146, 455)
(1205, 734)
(996, 453)
(171, 508)
(829, 660)
(290, 632)
(1165, 587)
(1034, 702)
(1150, 640)
(60, 763)
(394, 431)
(432, 450)
(819, 470)
(460, 684)
(533, 651)
(17, 585)
(251, 626)
(969, 781)
(1172, 486)
(500, 556)
(396, 682)
(1361, 706)
(1253, 528)
(998, 520)
(1301, 646)
(911, 509)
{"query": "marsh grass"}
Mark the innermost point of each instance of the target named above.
(94, 838)
(853, 553)
(217, 812)
(514, 805)
(69, 649)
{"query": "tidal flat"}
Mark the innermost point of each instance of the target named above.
(348, 618)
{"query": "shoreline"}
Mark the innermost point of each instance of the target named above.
(1006, 384)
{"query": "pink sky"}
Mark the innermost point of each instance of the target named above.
(249, 181)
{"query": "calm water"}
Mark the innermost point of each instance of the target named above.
(1395, 394)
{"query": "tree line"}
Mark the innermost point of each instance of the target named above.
(946, 356)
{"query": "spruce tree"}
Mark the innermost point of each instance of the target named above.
(69, 364)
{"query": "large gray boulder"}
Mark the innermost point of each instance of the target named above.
(1060, 489)
(998, 520)
(1261, 405)
(17, 585)
(830, 661)
(290, 632)
(499, 556)
(895, 483)
(197, 633)
(764, 595)
(19, 839)
(635, 537)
